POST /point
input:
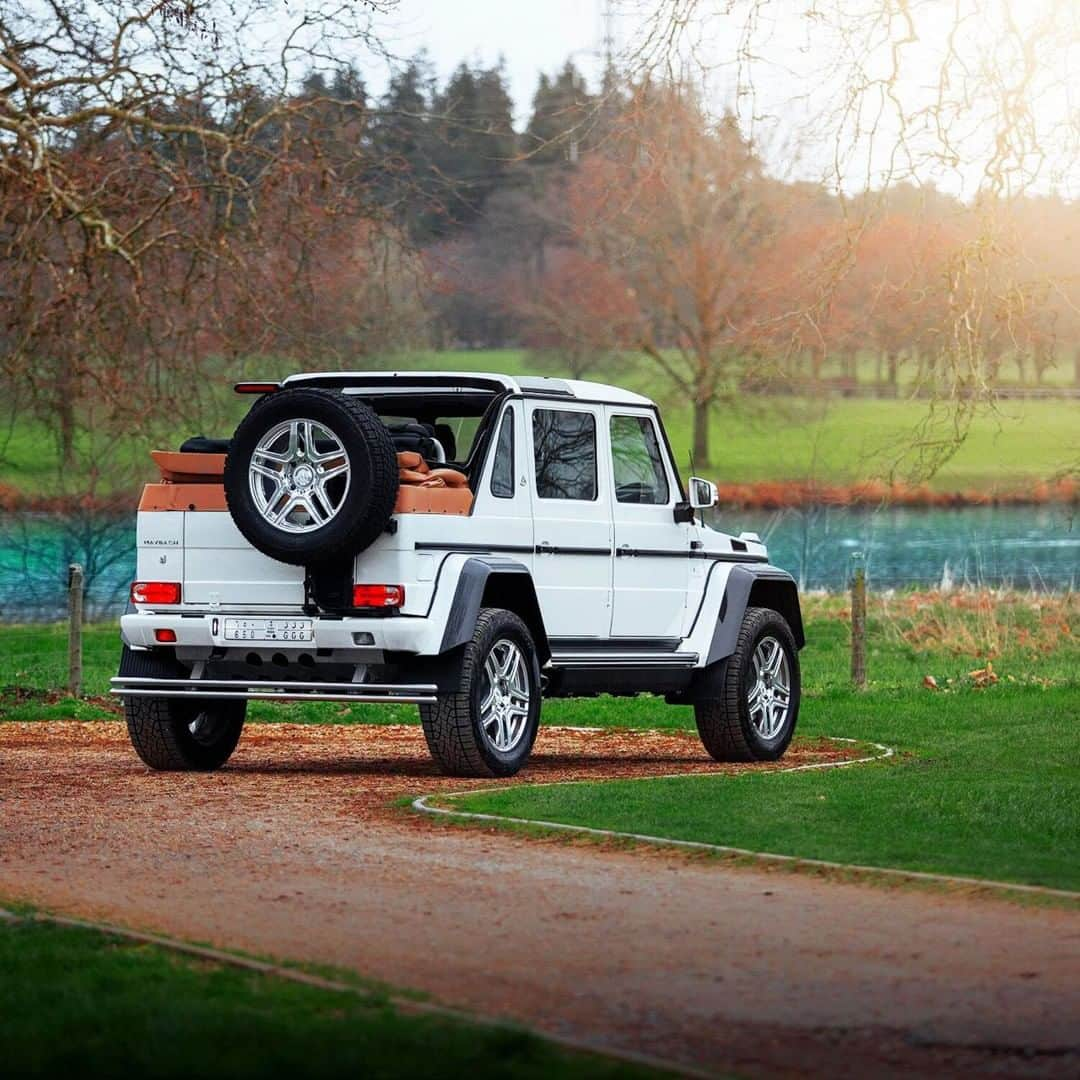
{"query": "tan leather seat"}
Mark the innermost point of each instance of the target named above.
(425, 490)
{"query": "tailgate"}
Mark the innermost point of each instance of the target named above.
(221, 567)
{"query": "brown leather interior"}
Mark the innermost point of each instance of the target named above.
(192, 481)
(177, 467)
(418, 499)
(425, 490)
(173, 496)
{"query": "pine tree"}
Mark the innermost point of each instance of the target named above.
(559, 128)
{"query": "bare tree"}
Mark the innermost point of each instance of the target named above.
(168, 198)
(696, 242)
(975, 95)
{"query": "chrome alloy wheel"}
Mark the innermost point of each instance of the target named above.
(504, 707)
(769, 697)
(299, 475)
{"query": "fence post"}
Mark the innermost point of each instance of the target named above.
(858, 620)
(75, 621)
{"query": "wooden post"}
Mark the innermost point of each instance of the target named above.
(75, 621)
(858, 620)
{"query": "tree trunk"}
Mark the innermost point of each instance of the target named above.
(701, 434)
(65, 410)
(66, 418)
(1076, 367)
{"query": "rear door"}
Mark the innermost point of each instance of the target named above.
(571, 503)
(652, 550)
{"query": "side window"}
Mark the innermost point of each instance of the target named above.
(502, 469)
(565, 447)
(638, 463)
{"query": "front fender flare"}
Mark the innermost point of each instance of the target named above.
(754, 586)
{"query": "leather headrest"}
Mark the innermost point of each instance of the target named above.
(410, 459)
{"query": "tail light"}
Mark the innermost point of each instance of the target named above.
(155, 592)
(164, 634)
(256, 387)
(378, 596)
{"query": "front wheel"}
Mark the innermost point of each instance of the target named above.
(487, 727)
(753, 718)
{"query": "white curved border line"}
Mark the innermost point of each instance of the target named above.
(422, 805)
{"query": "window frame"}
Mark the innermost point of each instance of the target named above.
(560, 407)
(507, 420)
(660, 446)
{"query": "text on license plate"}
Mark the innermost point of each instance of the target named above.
(269, 630)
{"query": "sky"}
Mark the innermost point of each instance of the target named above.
(790, 78)
(532, 37)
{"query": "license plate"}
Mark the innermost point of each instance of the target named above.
(269, 630)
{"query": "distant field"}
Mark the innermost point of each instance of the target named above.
(835, 441)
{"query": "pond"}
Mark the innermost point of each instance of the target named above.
(1021, 547)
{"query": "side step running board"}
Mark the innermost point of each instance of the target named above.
(286, 690)
(609, 659)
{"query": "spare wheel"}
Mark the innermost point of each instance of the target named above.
(311, 476)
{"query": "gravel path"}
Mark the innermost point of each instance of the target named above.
(295, 850)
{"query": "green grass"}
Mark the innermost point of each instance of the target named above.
(987, 783)
(836, 441)
(75, 1001)
(988, 787)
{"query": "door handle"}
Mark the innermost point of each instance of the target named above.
(544, 548)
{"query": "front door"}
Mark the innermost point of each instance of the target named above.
(571, 520)
(652, 550)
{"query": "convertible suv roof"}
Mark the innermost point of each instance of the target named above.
(468, 383)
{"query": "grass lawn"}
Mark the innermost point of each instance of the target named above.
(987, 782)
(836, 441)
(78, 1002)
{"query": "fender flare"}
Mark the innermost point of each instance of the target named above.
(754, 586)
(493, 577)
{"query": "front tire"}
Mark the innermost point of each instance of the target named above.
(754, 716)
(487, 727)
(174, 735)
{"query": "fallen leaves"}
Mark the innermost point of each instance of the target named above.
(985, 676)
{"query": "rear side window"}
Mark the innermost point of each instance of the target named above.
(565, 447)
(638, 465)
(502, 469)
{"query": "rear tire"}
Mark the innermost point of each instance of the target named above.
(173, 735)
(746, 722)
(488, 726)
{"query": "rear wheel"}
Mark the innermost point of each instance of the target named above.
(487, 727)
(754, 716)
(172, 734)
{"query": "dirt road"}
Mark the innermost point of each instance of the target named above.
(294, 850)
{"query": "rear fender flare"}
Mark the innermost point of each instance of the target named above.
(488, 581)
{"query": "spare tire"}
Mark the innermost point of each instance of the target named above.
(311, 476)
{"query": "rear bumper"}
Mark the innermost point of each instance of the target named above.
(358, 639)
(268, 690)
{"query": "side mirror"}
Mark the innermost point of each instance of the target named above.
(703, 493)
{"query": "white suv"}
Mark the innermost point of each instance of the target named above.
(465, 542)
